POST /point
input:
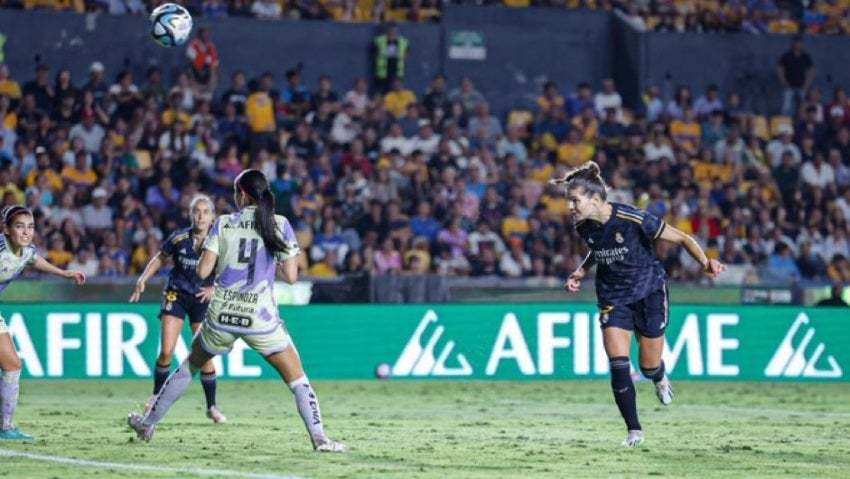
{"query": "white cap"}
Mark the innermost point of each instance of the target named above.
(96, 67)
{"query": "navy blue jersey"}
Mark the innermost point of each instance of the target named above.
(627, 268)
(184, 276)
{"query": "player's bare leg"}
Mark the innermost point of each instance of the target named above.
(288, 365)
(652, 366)
(617, 343)
(209, 383)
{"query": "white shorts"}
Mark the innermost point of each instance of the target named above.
(217, 342)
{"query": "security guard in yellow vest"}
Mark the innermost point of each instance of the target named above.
(389, 52)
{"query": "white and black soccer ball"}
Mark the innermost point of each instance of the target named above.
(171, 25)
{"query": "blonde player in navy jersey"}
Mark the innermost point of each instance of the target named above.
(185, 294)
(16, 253)
(246, 249)
(630, 284)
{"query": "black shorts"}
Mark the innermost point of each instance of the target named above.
(181, 304)
(648, 316)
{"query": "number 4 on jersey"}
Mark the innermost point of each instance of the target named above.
(248, 255)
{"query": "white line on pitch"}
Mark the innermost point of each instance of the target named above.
(698, 407)
(198, 471)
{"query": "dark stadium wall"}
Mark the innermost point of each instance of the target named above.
(733, 61)
(527, 47)
(74, 41)
(524, 48)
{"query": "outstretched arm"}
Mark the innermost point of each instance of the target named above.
(152, 267)
(42, 265)
(709, 266)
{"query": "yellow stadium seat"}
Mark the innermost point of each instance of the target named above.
(652, 21)
(396, 15)
(702, 170)
(777, 121)
(758, 127)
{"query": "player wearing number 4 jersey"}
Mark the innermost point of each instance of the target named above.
(246, 249)
(630, 284)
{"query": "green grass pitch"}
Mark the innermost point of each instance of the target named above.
(434, 429)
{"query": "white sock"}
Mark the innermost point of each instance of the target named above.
(308, 407)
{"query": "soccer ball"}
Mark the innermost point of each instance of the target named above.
(383, 371)
(171, 25)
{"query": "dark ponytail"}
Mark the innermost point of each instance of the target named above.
(253, 183)
(587, 177)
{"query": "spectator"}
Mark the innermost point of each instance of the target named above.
(389, 54)
(85, 262)
(89, 131)
(203, 62)
(237, 93)
(97, 216)
(259, 113)
(80, 174)
(435, 98)
(214, 8)
(608, 98)
(510, 144)
(425, 141)
(483, 126)
(658, 147)
(781, 265)
(326, 268)
(417, 260)
(345, 129)
(96, 84)
(817, 172)
(40, 88)
(515, 263)
(397, 100)
(467, 96)
(810, 264)
(686, 132)
(265, 10)
(485, 239)
(388, 260)
(358, 97)
(781, 145)
(713, 128)
(796, 72)
(154, 88)
(9, 86)
(708, 103)
(836, 297)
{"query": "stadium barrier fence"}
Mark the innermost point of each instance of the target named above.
(460, 342)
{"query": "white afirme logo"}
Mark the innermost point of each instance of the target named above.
(792, 362)
(419, 360)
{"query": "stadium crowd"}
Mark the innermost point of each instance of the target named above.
(408, 182)
(753, 16)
